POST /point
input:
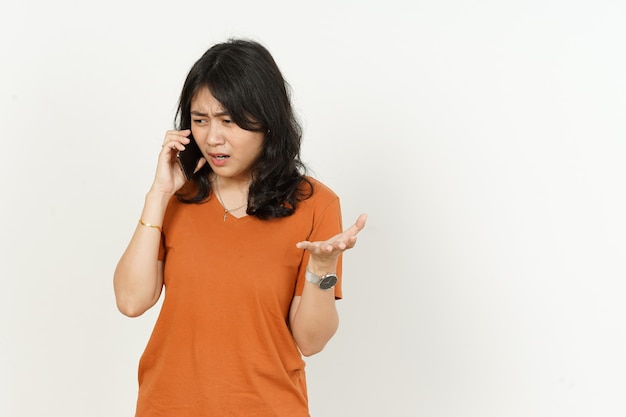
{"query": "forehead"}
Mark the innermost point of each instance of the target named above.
(204, 100)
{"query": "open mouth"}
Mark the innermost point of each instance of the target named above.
(219, 159)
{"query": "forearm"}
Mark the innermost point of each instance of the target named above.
(137, 280)
(315, 320)
(313, 317)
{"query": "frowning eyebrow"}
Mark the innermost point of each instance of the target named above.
(201, 114)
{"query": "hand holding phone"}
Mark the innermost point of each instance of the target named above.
(188, 158)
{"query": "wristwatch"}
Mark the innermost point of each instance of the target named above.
(326, 282)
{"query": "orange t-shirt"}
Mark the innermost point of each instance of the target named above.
(221, 345)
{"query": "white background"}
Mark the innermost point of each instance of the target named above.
(485, 139)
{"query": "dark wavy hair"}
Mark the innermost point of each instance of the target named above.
(242, 75)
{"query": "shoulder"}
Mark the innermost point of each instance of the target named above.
(322, 197)
(322, 211)
(177, 209)
(321, 191)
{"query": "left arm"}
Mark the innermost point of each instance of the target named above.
(313, 316)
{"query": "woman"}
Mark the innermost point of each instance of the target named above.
(248, 250)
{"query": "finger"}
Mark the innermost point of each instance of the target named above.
(172, 145)
(342, 246)
(303, 245)
(357, 226)
(201, 163)
(346, 241)
(360, 222)
(177, 135)
(316, 247)
(184, 132)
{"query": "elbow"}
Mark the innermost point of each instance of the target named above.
(309, 351)
(130, 310)
(131, 313)
(312, 332)
(132, 303)
(314, 343)
(132, 307)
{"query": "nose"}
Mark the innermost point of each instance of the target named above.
(213, 136)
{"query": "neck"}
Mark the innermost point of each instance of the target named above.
(228, 183)
(232, 195)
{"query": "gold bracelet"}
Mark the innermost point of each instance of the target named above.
(141, 222)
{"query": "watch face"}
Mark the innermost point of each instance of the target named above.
(328, 282)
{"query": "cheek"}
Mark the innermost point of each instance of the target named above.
(194, 132)
(258, 149)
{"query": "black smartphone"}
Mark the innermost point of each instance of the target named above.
(188, 159)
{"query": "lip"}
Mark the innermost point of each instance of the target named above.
(218, 159)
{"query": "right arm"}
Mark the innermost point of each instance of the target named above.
(138, 277)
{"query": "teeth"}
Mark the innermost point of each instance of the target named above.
(221, 157)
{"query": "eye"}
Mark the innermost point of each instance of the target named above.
(227, 121)
(199, 121)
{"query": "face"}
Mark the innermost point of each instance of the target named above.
(230, 150)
